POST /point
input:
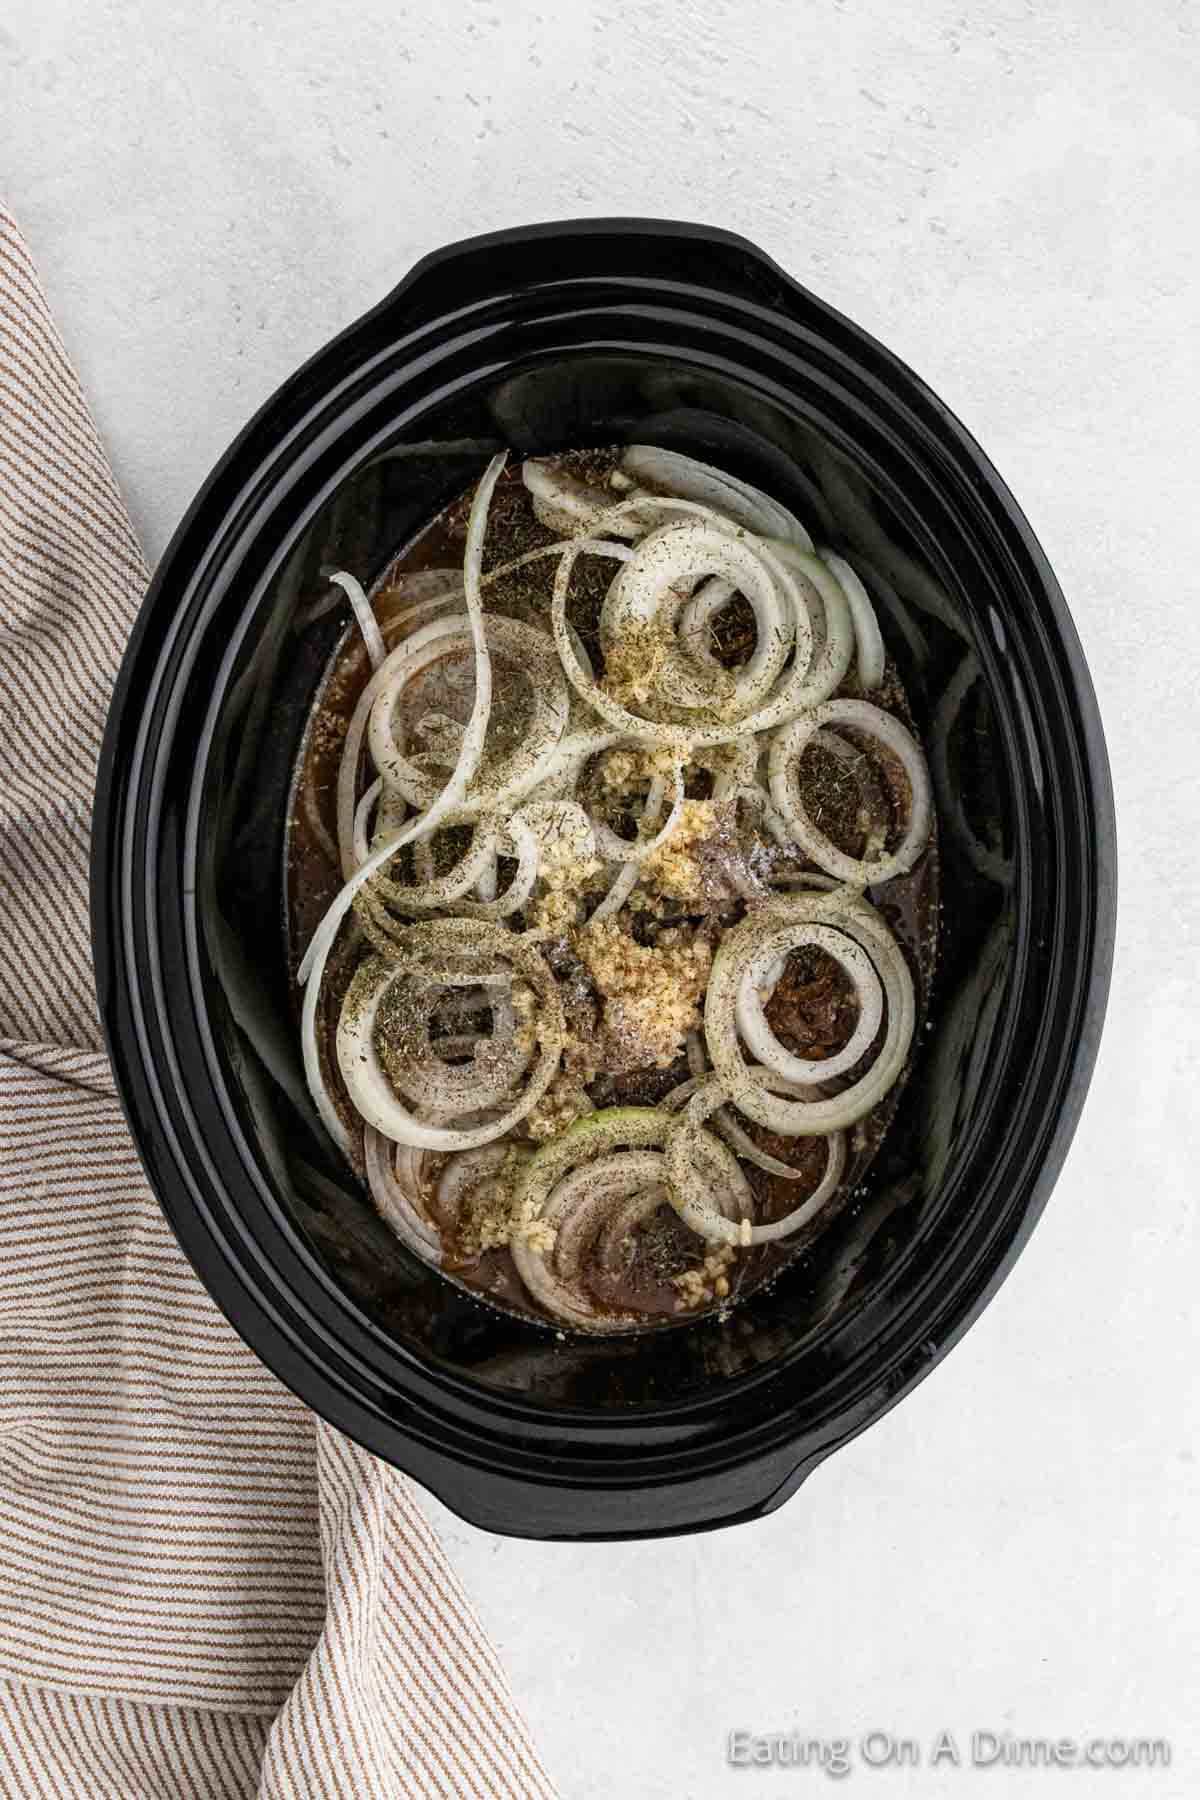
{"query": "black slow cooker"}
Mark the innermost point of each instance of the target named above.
(556, 336)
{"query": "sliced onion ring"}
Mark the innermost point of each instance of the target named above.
(312, 963)
(684, 475)
(396, 1201)
(724, 1122)
(765, 967)
(757, 1095)
(563, 503)
(809, 680)
(872, 657)
(364, 613)
(692, 1202)
(597, 1164)
(369, 1088)
(526, 650)
(787, 748)
(673, 560)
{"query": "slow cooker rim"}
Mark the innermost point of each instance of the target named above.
(1075, 1075)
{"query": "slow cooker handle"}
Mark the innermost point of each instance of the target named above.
(498, 263)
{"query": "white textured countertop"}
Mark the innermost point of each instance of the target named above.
(1007, 194)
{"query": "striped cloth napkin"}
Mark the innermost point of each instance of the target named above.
(204, 1590)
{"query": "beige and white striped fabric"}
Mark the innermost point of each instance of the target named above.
(204, 1591)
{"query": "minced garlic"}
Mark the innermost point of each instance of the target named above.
(485, 1218)
(564, 1101)
(565, 867)
(650, 993)
(620, 769)
(707, 1282)
(532, 1230)
(632, 666)
(674, 868)
(524, 1005)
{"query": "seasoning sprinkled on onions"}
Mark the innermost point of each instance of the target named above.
(572, 1188)
(600, 967)
(769, 933)
(496, 1080)
(691, 1196)
(787, 748)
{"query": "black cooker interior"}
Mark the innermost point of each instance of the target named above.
(932, 628)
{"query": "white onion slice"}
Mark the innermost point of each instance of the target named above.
(423, 863)
(695, 620)
(463, 1174)
(765, 967)
(522, 839)
(632, 856)
(835, 640)
(725, 1123)
(622, 1221)
(597, 1164)
(623, 885)
(589, 1138)
(788, 746)
(685, 476)
(437, 891)
(374, 1095)
(670, 562)
(755, 1093)
(731, 765)
(591, 1190)
(576, 1209)
(614, 848)
(359, 836)
(563, 503)
(312, 964)
(417, 652)
(531, 654)
(872, 656)
(473, 735)
(808, 681)
(487, 886)
(447, 1078)
(395, 1201)
(695, 1207)
(368, 624)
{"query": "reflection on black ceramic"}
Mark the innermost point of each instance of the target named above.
(560, 336)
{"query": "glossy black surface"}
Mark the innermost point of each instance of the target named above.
(541, 339)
